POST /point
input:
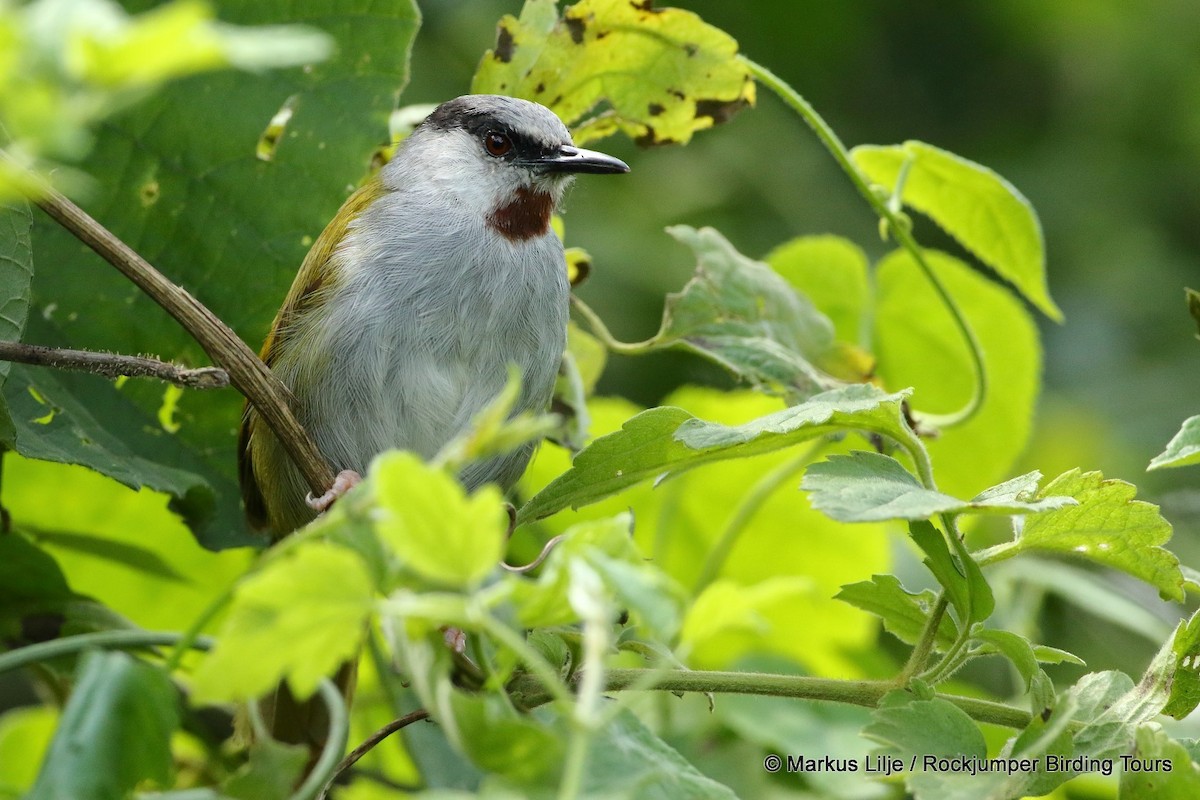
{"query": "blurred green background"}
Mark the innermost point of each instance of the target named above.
(1091, 108)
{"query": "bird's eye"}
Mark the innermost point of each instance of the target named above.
(497, 144)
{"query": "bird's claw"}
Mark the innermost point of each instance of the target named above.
(346, 480)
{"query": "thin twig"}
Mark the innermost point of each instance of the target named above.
(247, 372)
(369, 743)
(114, 365)
(532, 565)
(896, 227)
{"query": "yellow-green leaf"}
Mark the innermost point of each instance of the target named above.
(984, 212)
(1109, 527)
(659, 74)
(918, 345)
(427, 519)
(298, 618)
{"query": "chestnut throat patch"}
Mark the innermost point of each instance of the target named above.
(525, 216)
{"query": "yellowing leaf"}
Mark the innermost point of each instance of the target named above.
(660, 74)
(427, 519)
(298, 618)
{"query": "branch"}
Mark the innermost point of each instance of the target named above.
(114, 365)
(369, 743)
(529, 692)
(247, 372)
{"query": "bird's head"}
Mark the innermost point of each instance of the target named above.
(506, 159)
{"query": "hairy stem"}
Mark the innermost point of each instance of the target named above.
(920, 654)
(859, 693)
(248, 373)
(897, 225)
(114, 365)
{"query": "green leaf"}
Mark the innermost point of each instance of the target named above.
(725, 611)
(914, 730)
(658, 75)
(904, 614)
(917, 344)
(16, 277)
(425, 516)
(499, 739)
(832, 273)
(1193, 304)
(792, 726)
(1014, 647)
(297, 618)
(669, 440)
(651, 596)
(740, 314)
(1166, 770)
(1112, 706)
(270, 773)
(1107, 527)
(982, 211)
(115, 731)
(101, 508)
(200, 203)
(682, 527)
(25, 736)
(131, 555)
(626, 759)
(178, 38)
(1052, 655)
(36, 603)
(1184, 448)
(72, 418)
(871, 487)
(1038, 745)
(959, 574)
(1184, 676)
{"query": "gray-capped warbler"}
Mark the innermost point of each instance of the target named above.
(402, 322)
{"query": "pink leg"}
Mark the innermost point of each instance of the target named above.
(346, 480)
(456, 639)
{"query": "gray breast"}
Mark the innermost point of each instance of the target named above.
(426, 335)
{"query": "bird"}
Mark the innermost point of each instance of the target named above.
(433, 278)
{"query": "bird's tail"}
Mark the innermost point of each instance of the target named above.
(305, 722)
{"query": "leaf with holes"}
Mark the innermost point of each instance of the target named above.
(659, 75)
(1107, 526)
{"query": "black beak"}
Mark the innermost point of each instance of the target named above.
(573, 159)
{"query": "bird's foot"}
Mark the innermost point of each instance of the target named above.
(346, 480)
(456, 638)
